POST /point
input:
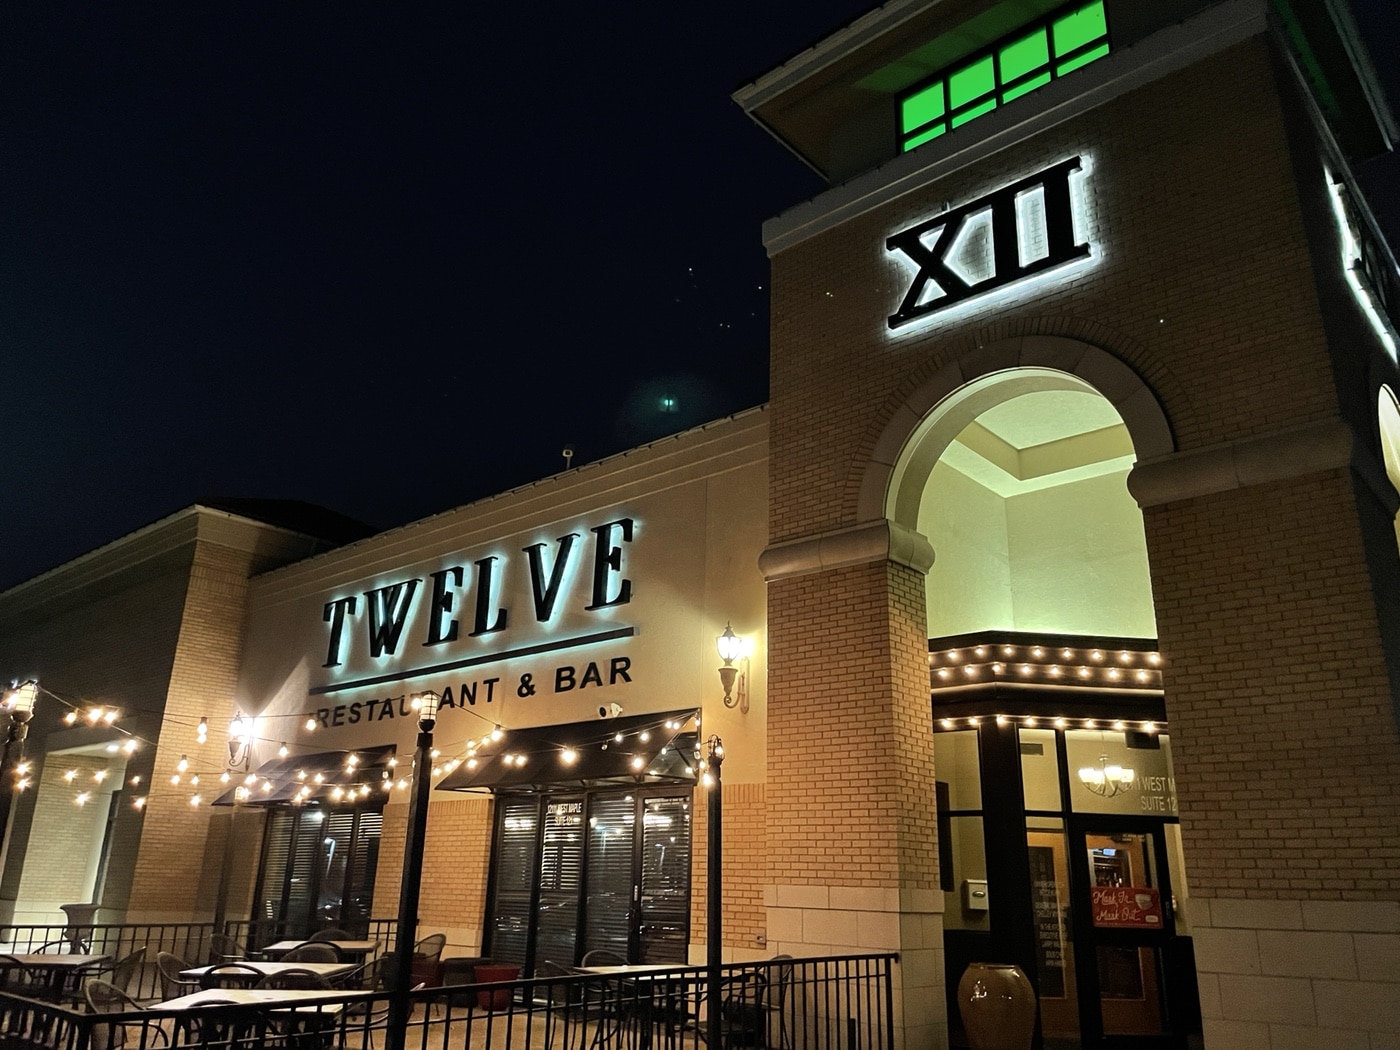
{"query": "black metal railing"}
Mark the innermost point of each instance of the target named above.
(188, 940)
(831, 1003)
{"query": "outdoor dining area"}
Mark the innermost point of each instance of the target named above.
(185, 985)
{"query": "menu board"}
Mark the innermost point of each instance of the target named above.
(1049, 931)
(1126, 907)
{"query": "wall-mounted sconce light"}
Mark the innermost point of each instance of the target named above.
(734, 679)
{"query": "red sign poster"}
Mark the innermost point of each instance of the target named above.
(1126, 907)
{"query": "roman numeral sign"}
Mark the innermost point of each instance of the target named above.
(1007, 236)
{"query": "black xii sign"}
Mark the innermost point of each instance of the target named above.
(1028, 228)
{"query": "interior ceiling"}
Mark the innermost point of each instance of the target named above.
(1041, 439)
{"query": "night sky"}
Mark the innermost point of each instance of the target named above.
(383, 258)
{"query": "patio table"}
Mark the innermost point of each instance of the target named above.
(264, 969)
(349, 949)
(59, 969)
(252, 996)
(305, 1016)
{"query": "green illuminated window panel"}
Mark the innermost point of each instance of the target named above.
(972, 83)
(1080, 28)
(1067, 40)
(1028, 55)
(1084, 59)
(922, 113)
(1026, 88)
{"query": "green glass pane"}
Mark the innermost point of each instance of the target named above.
(1081, 60)
(1028, 86)
(1079, 28)
(918, 109)
(1024, 56)
(920, 139)
(985, 107)
(971, 82)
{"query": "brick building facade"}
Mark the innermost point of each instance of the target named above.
(1066, 546)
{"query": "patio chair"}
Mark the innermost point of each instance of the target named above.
(743, 1014)
(330, 935)
(172, 985)
(233, 973)
(295, 978)
(369, 1016)
(563, 1004)
(103, 997)
(603, 957)
(223, 948)
(312, 952)
(211, 1024)
(15, 976)
(124, 969)
(430, 947)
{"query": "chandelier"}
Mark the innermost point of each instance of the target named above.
(1106, 779)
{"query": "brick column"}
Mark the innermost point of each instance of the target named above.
(851, 824)
(1287, 754)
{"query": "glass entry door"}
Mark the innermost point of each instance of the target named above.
(1123, 924)
(578, 871)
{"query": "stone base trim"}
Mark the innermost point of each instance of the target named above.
(846, 920)
(1281, 974)
(883, 540)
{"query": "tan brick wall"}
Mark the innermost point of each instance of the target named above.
(744, 859)
(850, 771)
(1284, 739)
(456, 864)
(55, 871)
(172, 879)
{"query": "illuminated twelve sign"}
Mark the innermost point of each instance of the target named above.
(387, 608)
(1010, 235)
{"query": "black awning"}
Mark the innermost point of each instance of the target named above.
(635, 749)
(327, 776)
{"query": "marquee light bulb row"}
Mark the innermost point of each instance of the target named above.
(1041, 664)
(1120, 725)
(567, 755)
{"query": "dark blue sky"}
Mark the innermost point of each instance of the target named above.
(385, 259)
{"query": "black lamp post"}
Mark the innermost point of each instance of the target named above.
(714, 833)
(396, 1036)
(19, 702)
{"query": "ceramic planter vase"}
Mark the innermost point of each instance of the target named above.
(997, 1005)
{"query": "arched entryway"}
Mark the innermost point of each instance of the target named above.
(1059, 842)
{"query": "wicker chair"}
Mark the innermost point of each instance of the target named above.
(103, 997)
(313, 952)
(295, 978)
(223, 948)
(172, 985)
(603, 957)
(330, 935)
(236, 973)
(430, 947)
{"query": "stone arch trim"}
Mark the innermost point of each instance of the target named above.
(1135, 401)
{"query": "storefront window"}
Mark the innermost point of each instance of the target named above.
(1051, 910)
(578, 871)
(1121, 773)
(1040, 771)
(318, 870)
